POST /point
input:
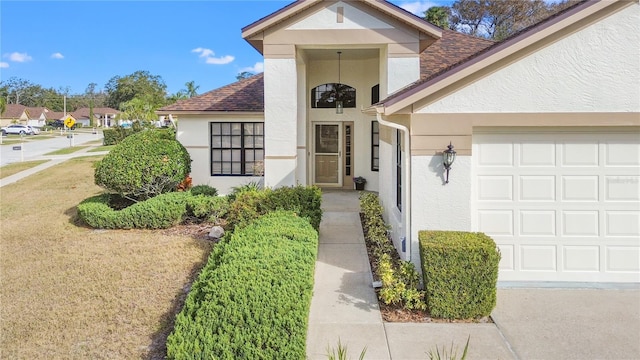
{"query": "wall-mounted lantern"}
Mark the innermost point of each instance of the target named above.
(448, 157)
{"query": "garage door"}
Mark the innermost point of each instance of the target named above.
(560, 206)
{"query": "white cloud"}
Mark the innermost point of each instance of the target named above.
(209, 58)
(57, 56)
(220, 60)
(19, 57)
(416, 7)
(4, 64)
(203, 52)
(256, 69)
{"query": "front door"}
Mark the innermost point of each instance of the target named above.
(327, 154)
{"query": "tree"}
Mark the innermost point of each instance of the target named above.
(140, 84)
(438, 16)
(3, 105)
(493, 19)
(91, 115)
(244, 75)
(192, 88)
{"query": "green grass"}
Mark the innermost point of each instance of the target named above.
(102, 148)
(15, 168)
(66, 151)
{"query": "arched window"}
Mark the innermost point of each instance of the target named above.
(325, 96)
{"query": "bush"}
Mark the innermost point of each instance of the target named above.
(460, 271)
(400, 280)
(252, 298)
(144, 165)
(115, 135)
(206, 208)
(204, 190)
(250, 203)
(161, 212)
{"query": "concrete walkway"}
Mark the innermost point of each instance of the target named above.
(530, 323)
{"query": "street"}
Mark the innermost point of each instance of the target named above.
(35, 148)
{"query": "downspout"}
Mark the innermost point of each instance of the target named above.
(407, 192)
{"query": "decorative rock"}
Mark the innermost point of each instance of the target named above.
(216, 232)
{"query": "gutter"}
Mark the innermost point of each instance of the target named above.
(407, 192)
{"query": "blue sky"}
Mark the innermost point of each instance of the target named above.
(69, 44)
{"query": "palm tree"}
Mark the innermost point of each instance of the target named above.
(192, 88)
(3, 105)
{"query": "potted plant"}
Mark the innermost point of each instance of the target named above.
(359, 182)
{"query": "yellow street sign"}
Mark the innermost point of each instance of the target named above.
(69, 122)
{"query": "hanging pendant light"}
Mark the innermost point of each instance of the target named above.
(339, 105)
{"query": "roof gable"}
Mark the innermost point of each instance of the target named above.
(511, 49)
(354, 18)
(302, 15)
(13, 111)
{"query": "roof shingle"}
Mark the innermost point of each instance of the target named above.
(246, 95)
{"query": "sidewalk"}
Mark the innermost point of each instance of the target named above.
(530, 323)
(53, 160)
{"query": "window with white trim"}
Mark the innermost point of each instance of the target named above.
(237, 148)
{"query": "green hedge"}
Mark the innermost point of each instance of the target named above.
(252, 203)
(144, 165)
(460, 271)
(115, 135)
(160, 212)
(252, 298)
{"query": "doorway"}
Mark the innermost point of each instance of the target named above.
(333, 154)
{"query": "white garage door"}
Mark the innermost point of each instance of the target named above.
(561, 206)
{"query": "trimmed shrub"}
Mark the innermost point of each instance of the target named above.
(160, 212)
(251, 203)
(206, 208)
(115, 135)
(144, 165)
(460, 271)
(204, 190)
(252, 298)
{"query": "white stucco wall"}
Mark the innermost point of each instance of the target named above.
(594, 70)
(401, 71)
(387, 194)
(326, 19)
(193, 134)
(280, 100)
(436, 205)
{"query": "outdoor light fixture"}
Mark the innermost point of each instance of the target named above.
(339, 105)
(448, 157)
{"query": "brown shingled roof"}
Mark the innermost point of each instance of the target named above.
(13, 111)
(450, 49)
(246, 95)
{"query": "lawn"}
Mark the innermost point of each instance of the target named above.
(15, 168)
(71, 292)
(67, 150)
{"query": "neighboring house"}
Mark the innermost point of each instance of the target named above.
(104, 117)
(546, 125)
(37, 116)
(14, 113)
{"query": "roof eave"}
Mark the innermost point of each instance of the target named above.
(209, 112)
